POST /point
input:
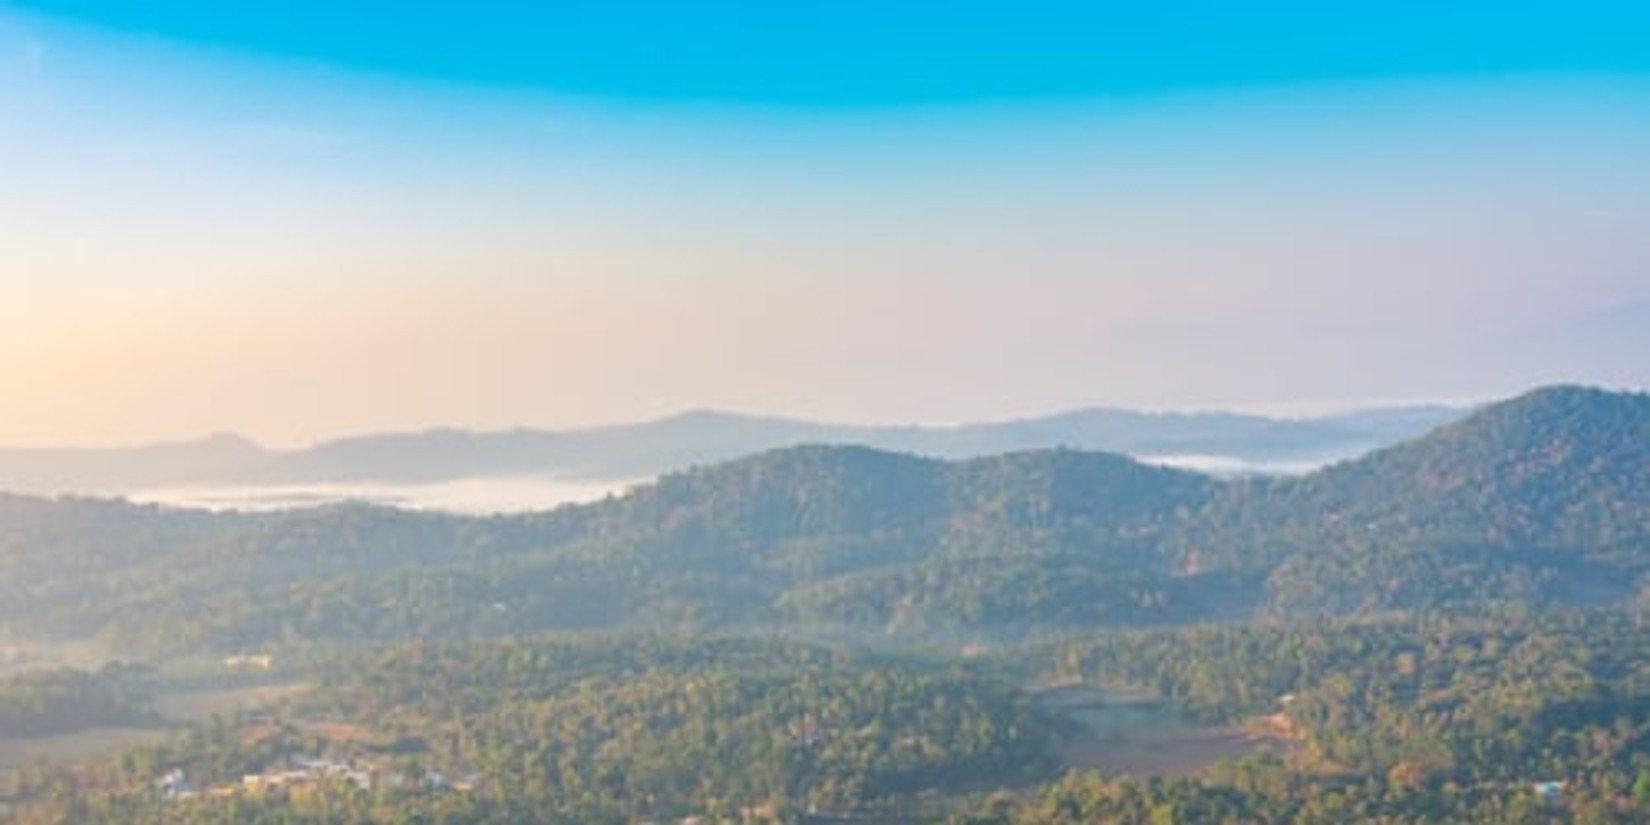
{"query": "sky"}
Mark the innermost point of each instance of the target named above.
(308, 219)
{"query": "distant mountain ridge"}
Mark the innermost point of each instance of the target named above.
(1542, 499)
(648, 449)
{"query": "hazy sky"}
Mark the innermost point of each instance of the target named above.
(302, 219)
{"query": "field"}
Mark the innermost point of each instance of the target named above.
(1118, 732)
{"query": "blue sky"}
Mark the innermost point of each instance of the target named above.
(303, 219)
(858, 53)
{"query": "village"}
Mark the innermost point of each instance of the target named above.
(301, 774)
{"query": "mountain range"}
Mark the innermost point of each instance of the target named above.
(1540, 499)
(1230, 441)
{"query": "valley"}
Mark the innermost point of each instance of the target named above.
(1427, 633)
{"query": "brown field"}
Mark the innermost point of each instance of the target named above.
(1118, 732)
(1174, 753)
(336, 731)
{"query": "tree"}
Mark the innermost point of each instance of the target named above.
(1641, 788)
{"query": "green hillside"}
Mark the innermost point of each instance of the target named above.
(1541, 499)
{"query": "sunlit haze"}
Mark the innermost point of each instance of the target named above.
(225, 224)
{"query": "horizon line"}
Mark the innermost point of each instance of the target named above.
(1304, 410)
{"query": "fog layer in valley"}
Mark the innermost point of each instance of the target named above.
(474, 496)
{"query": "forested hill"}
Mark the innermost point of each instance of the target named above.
(1566, 467)
(1543, 498)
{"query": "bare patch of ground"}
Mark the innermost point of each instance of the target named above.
(1186, 752)
(334, 731)
(1123, 732)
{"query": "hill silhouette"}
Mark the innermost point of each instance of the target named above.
(649, 449)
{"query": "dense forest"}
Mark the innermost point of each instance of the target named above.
(1454, 629)
(1489, 718)
(601, 730)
